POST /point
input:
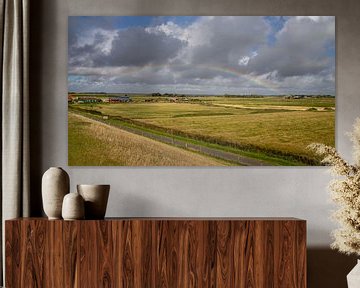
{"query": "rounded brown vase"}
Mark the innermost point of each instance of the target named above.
(55, 185)
(96, 198)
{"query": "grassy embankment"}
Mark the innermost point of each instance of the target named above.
(96, 144)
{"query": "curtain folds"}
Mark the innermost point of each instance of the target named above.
(14, 177)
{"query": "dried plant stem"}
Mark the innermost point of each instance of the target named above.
(345, 192)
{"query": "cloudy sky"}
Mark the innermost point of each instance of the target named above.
(202, 55)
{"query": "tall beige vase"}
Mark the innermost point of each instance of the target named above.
(55, 185)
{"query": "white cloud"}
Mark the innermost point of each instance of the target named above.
(315, 18)
(170, 29)
(102, 39)
(244, 61)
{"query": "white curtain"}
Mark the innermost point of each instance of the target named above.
(14, 177)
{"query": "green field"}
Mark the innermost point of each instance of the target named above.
(96, 144)
(272, 128)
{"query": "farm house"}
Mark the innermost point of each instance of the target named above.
(120, 99)
(86, 100)
(71, 98)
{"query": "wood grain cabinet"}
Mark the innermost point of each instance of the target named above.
(156, 252)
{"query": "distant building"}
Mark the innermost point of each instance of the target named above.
(296, 96)
(120, 99)
(89, 100)
(71, 98)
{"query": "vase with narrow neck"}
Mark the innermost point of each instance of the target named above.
(55, 185)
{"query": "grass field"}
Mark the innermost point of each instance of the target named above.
(260, 127)
(95, 144)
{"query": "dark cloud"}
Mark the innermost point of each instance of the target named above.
(137, 47)
(147, 76)
(188, 72)
(226, 39)
(300, 49)
(129, 47)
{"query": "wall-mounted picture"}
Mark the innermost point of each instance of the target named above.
(200, 91)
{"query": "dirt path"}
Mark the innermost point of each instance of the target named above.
(227, 156)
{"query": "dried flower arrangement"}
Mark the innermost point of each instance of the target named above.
(345, 191)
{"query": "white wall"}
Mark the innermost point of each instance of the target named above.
(297, 192)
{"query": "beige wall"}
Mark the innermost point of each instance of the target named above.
(297, 192)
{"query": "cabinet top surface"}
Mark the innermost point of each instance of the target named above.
(174, 219)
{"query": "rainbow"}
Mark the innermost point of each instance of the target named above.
(232, 71)
(249, 77)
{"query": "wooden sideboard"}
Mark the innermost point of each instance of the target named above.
(156, 252)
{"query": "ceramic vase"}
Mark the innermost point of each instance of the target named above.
(73, 207)
(55, 185)
(353, 278)
(96, 198)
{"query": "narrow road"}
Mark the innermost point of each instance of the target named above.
(227, 156)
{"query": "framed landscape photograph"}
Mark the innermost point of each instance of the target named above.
(200, 90)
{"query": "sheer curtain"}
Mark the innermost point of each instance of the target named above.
(14, 177)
